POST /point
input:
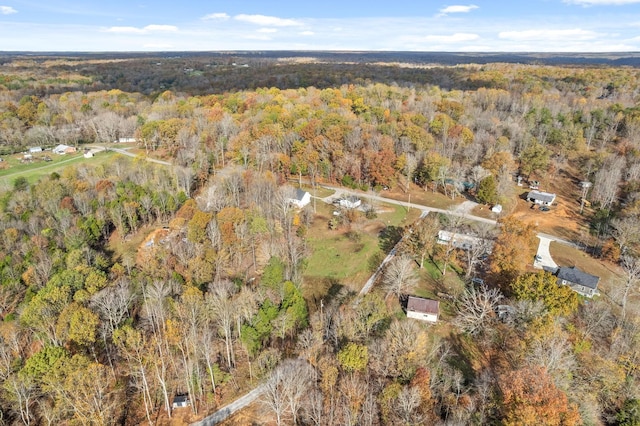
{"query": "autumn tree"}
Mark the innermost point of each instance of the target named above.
(513, 250)
(529, 397)
(557, 299)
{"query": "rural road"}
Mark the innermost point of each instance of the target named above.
(229, 409)
(340, 192)
(130, 154)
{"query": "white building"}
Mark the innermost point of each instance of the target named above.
(542, 198)
(63, 149)
(423, 309)
(350, 202)
(301, 198)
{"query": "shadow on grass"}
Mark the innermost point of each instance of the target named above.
(463, 355)
(389, 237)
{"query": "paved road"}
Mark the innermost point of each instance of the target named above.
(229, 409)
(341, 192)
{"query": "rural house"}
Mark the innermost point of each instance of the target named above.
(300, 199)
(579, 281)
(181, 400)
(462, 241)
(423, 309)
(539, 197)
(350, 202)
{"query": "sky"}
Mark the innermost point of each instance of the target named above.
(373, 25)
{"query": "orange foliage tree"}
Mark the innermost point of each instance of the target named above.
(529, 397)
(513, 251)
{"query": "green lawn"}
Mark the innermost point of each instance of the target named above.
(38, 168)
(337, 258)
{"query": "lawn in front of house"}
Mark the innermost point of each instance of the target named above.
(344, 256)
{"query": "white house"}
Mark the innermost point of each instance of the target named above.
(462, 241)
(539, 197)
(124, 140)
(300, 199)
(423, 309)
(35, 149)
(350, 202)
(181, 400)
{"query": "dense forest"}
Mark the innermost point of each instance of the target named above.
(125, 283)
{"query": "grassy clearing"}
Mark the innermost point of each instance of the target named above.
(38, 168)
(420, 196)
(342, 258)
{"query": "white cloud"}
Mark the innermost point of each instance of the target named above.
(307, 33)
(601, 2)
(125, 30)
(267, 20)
(7, 10)
(267, 30)
(145, 30)
(216, 16)
(548, 35)
(453, 38)
(161, 28)
(457, 9)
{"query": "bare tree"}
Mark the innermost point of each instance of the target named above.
(476, 308)
(606, 181)
(286, 388)
(631, 267)
(400, 277)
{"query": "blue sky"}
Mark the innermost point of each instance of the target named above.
(411, 25)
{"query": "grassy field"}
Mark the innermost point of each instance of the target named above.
(32, 171)
(341, 258)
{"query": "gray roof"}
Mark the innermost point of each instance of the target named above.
(300, 194)
(426, 306)
(575, 275)
(542, 196)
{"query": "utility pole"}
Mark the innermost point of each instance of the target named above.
(585, 188)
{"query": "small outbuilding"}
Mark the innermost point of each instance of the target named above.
(300, 199)
(35, 149)
(181, 400)
(497, 208)
(63, 149)
(423, 309)
(542, 198)
(579, 281)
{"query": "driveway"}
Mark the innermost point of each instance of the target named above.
(543, 258)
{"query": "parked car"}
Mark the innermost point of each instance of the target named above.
(544, 209)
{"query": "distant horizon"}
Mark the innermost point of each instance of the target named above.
(498, 26)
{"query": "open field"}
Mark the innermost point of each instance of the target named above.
(38, 168)
(341, 257)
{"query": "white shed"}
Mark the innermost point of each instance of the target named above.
(423, 309)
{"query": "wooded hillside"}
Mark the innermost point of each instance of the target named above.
(126, 283)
